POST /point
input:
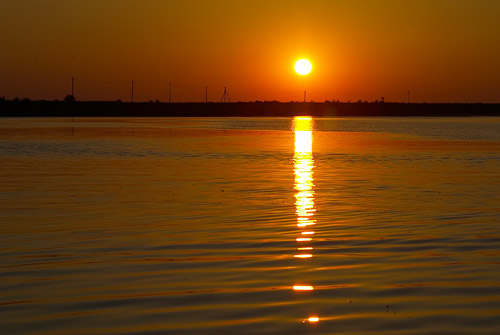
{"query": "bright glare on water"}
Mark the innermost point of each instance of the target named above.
(250, 226)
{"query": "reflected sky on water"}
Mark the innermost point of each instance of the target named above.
(250, 226)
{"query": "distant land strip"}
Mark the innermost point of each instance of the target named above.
(29, 108)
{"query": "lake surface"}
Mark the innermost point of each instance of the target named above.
(250, 226)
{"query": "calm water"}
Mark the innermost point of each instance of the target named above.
(250, 226)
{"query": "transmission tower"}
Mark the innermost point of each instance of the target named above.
(225, 96)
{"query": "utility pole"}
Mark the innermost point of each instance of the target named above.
(132, 95)
(304, 95)
(73, 96)
(408, 96)
(206, 94)
(170, 92)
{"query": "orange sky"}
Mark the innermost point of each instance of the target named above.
(441, 50)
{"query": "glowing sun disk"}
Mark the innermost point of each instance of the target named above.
(303, 67)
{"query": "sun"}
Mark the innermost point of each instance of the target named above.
(303, 67)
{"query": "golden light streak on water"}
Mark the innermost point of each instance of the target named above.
(303, 256)
(302, 225)
(303, 288)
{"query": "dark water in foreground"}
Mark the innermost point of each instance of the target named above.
(250, 226)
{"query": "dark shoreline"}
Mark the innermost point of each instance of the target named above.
(28, 108)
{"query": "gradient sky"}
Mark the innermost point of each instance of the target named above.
(441, 50)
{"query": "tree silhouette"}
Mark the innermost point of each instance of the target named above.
(69, 98)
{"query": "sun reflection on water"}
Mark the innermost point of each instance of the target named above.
(313, 319)
(305, 208)
(303, 288)
(304, 181)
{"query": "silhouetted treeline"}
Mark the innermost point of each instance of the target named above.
(28, 108)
